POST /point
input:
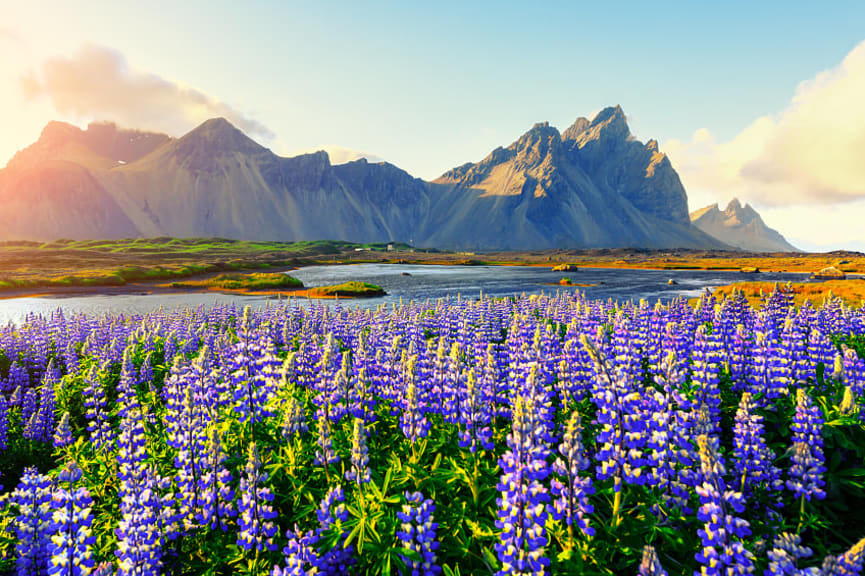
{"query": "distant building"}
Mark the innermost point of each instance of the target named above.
(390, 247)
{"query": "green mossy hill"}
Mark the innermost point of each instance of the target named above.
(255, 281)
(348, 290)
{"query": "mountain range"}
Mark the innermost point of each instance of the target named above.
(592, 185)
(740, 227)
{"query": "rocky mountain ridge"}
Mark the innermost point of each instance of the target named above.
(741, 227)
(592, 185)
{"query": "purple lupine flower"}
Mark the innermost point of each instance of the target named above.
(29, 400)
(704, 375)
(671, 450)
(293, 420)
(522, 507)
(71, 543)
(785, 555)
(96, 411)
(571, 497)
(650, 565)
(794, 351)
(70, 358)
(254, 510)
(621, 436)
(850, 563)
(854, 372)
(4, 421)
(806, 472)
(324, 454)
(475, 417)
(418, 533)
(359, 471)
(254, 372)
(752, 458)
(18, 378)
(300, 554)
(821, 350)
(722, 533)
(413, 422)
(40, 424)
(145, 373)
(758, 382)
(331, 515)
(740, 346)
(127, 397)
(63, 434)
(189, 437)
(215, 496)
(139, 543)
(33, 523)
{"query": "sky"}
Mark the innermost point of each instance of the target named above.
(761, 101)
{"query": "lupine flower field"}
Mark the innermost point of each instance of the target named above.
(531, 435)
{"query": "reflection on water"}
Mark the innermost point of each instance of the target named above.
(417, 283)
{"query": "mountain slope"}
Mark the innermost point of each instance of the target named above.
(592, 186)
(741, 227)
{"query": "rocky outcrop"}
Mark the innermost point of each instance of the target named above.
(829, 273)
(741, 227)
(592, 186)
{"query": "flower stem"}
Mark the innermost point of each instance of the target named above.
(617, 503)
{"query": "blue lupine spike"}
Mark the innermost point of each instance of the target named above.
(255, 512)
(359, 471)
(722, 533)
(63, 434)
(33, 523)
(418, 533)
(806, 472)
(522, 507)
(572, 491)
(71, 545)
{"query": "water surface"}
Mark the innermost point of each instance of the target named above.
(417, 283)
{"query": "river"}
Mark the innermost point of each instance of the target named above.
(418, 283)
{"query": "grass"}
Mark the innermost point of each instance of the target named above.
(29, 266)
(851, 291)
(236, 281)
(347, 290)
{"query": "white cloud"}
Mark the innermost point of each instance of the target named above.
(804, 167)
(97, 83)
(813, 152)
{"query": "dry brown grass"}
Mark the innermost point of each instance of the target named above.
(851, 291)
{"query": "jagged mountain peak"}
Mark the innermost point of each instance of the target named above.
(57, 131)
(736, 209)
(221, 135)
(208, 145)
(573, 131)
(536, 144)
(607, 131)
(740, 226)
(102, 145)
(610, 115)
